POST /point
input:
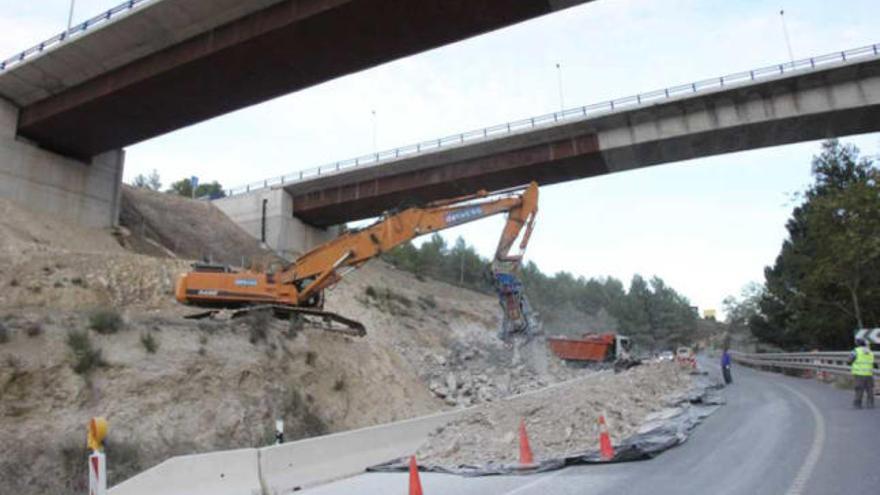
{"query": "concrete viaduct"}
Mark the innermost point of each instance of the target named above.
(69, 105)
(834, 95)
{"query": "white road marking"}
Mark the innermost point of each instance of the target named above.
(534, 483)
(809, 465)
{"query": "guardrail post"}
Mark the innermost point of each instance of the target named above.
(812, 63)
(843, 56)
(508, 125)
(485, 132)
(300, 175)
(612, 104)
(461, 138)
(639, 99)
(337, 165)
(781, 69)
(752, 74)
(666, 91)
(584, 109)
(694, 87)
(532, 120)
(875, 50)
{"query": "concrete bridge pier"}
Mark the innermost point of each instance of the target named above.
(86, 193)
(267, 215)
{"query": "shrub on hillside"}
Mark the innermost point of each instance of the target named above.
(86, 358)
(151, 345)
(34, 329)
(106, 321)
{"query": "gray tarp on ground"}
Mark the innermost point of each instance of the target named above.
(661, 431)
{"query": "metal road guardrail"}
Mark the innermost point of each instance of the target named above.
(571, 114)
(73, 32)
(830, 362)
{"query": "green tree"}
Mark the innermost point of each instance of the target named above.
(152, 181)
(846, 260)
(183, 187)
(824, 281)
(739, 311)
(652, 313)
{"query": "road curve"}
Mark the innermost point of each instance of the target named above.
(777, 435)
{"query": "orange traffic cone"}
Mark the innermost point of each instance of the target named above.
(415, 484)
(605, 448)
(525, 451)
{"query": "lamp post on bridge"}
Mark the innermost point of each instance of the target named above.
(559, 81)
(375, 149)
(70, 16)
(787, 38)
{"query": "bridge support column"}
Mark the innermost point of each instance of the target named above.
(83, 192)
(267, 215)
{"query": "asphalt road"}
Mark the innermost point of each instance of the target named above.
(777, 435)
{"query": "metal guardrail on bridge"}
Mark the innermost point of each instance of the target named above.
(583, 112)
(830, 362)
(73, 32)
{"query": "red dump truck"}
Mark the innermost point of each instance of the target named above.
(592, 348)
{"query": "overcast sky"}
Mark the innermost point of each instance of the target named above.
(706, 226)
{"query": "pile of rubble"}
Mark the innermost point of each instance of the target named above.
(466, 376)
(561, 420)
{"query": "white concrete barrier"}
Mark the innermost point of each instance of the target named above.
(231, 472)
(292, 466)
(282, 469)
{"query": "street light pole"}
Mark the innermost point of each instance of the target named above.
(375, 149)
(787, 39)
(559, 81)
(70, 16)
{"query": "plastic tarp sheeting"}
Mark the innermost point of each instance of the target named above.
(660, 431)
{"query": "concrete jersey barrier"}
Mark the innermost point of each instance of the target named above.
(293, 466)
(230, 472)
(282, 469)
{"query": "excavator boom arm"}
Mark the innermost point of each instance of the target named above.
(355, 248)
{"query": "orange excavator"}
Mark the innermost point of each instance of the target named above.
(296, 291)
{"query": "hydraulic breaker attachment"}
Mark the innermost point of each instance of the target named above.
(518, 319)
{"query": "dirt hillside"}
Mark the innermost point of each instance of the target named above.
(160, 224)
(169, 385)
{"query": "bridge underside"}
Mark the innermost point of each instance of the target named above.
(838, 102)
(288, 46)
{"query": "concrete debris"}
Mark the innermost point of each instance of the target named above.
(561, 420)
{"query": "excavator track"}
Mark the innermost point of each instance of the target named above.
(313, 318)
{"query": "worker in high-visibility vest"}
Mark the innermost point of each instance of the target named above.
(862, 364)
